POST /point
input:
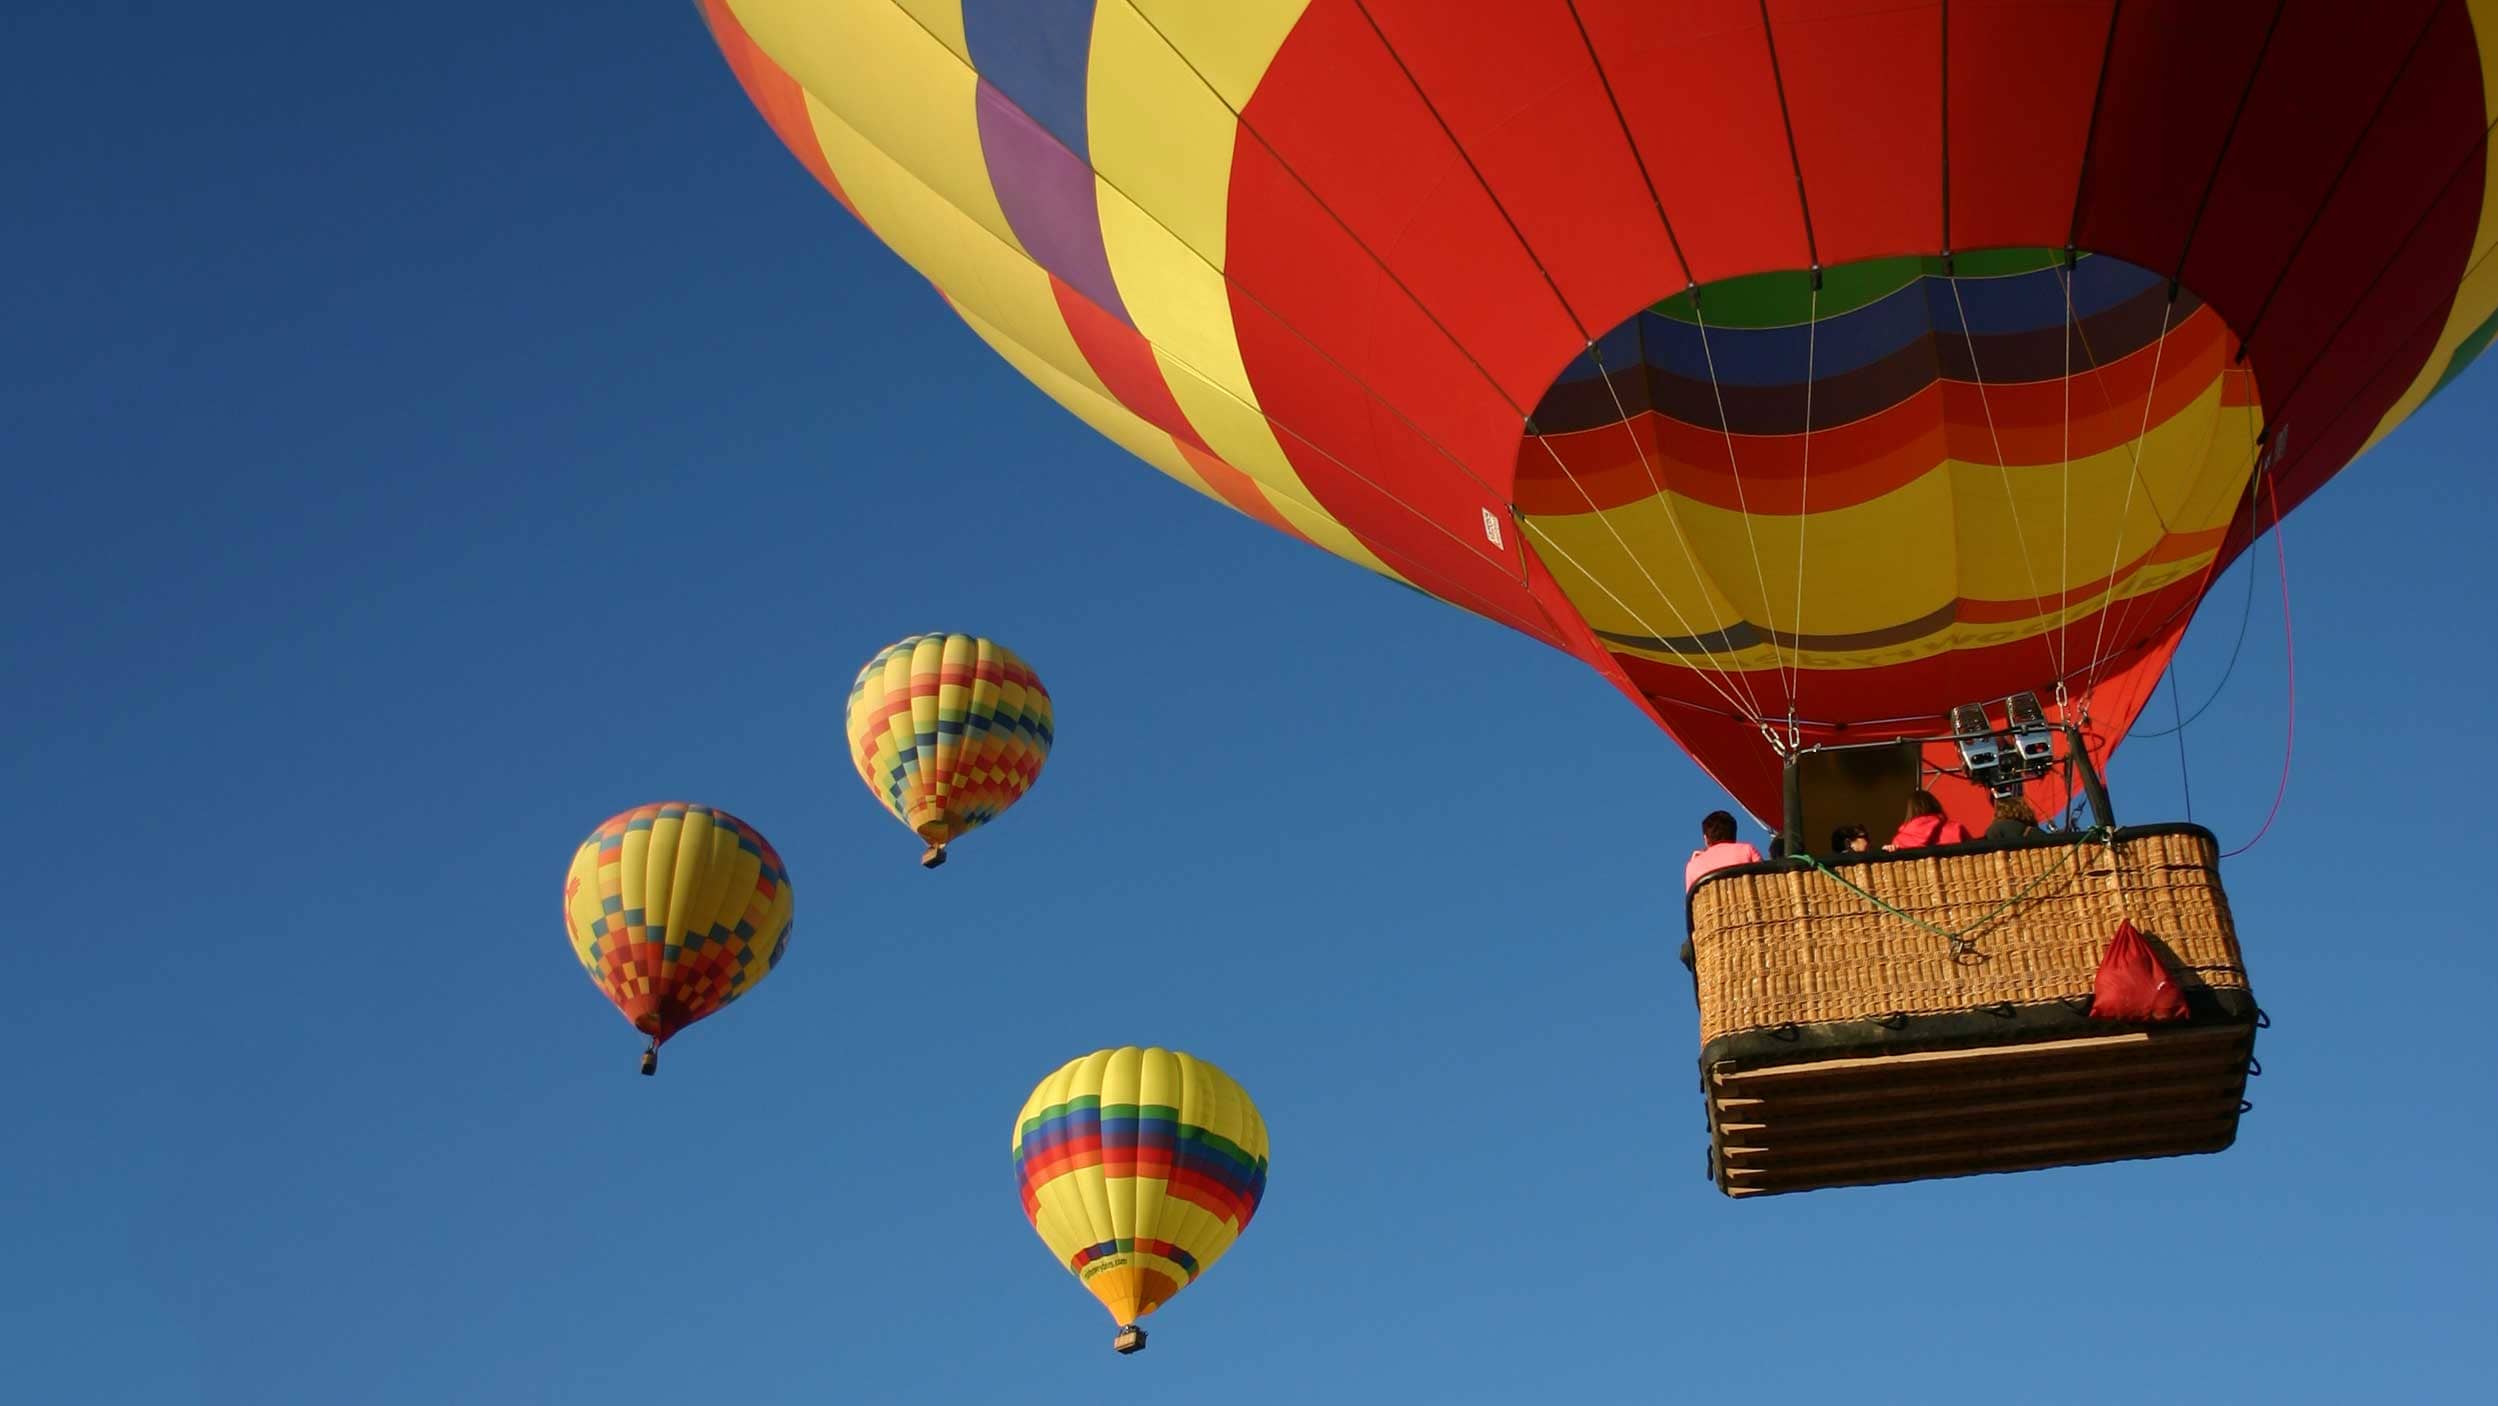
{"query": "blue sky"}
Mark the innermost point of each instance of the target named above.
(430, 431)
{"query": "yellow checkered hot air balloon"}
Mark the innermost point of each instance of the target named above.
(1139, 1168)
(948, 731)
(675, 910)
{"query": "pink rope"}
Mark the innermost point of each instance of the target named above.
(2290, 660)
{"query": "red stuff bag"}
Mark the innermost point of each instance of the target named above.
(2132, 984)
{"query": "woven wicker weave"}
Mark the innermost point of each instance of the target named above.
(1799, 947)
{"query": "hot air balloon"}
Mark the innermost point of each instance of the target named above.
(1817, 374)
(948, 731)
(675, 910)
(1139, 1168)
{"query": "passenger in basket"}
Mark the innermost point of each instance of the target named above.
(1850, 839)
(2014, 822)
(1721, 851)
(1928, 825)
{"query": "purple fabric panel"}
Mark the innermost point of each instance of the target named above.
(1047, 193)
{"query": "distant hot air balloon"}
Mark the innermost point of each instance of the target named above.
(1139, 1167)
(948, 731)
(1807, 370)
(675, 910)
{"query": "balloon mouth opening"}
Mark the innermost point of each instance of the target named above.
(2014, 388)
(1735, 358)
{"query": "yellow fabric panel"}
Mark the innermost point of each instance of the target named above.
(2216, 491)
(2074, 537)
(893, 84)
(1163, 144)
(1123, 1082)
(1179, 300)
(1231, 424)
(2477, 298)
(1231, 42)
(997, 280)
(1627, 571)
(1160, 136)
(944, 19)
(1948, 535)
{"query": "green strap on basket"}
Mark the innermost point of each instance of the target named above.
(1960, 940)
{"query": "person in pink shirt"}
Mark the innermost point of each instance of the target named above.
(1721, 850)
(1928, 825)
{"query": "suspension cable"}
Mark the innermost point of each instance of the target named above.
(2055, 659)
(2133, 477)
(2290, 668)
(1743, 506)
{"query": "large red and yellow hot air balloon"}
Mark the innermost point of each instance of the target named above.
(675, 910)
(1139, 1168)
(1806, 368)
(947, 731)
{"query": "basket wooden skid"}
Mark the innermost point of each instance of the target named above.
(1843, 1043)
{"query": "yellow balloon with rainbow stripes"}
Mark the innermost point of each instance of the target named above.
(948, 731)
(1139, 1168)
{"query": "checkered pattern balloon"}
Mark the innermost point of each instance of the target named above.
(948, 731)
(675, 910)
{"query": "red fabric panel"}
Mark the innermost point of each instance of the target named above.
(1693, 79)
(2322, 444)
(1336, 109)
(2022, 76)
(1289, 256)
(1120, 355)
(1515, 84)
(2174, 77)
(1316, 399)
(2387, 252)
(1865, 98)
(2321, 78)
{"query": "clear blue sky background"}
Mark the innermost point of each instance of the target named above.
(431, 429)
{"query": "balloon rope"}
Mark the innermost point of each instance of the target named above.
(1743, 506)
(2020, 533)
(2246, 614)
(2133, 477)
(1735, 681)
(1959, 938)
(2064, 475)
(1804, 498)
(2185, 774)
(1750, 712)
(2290, 666)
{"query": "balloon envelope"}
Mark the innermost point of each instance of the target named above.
(675, 910)
(948, 731)
(1807, 370)
(1139, 1168)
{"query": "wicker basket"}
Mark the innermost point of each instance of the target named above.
(1802, 947)
(1897, 1017)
